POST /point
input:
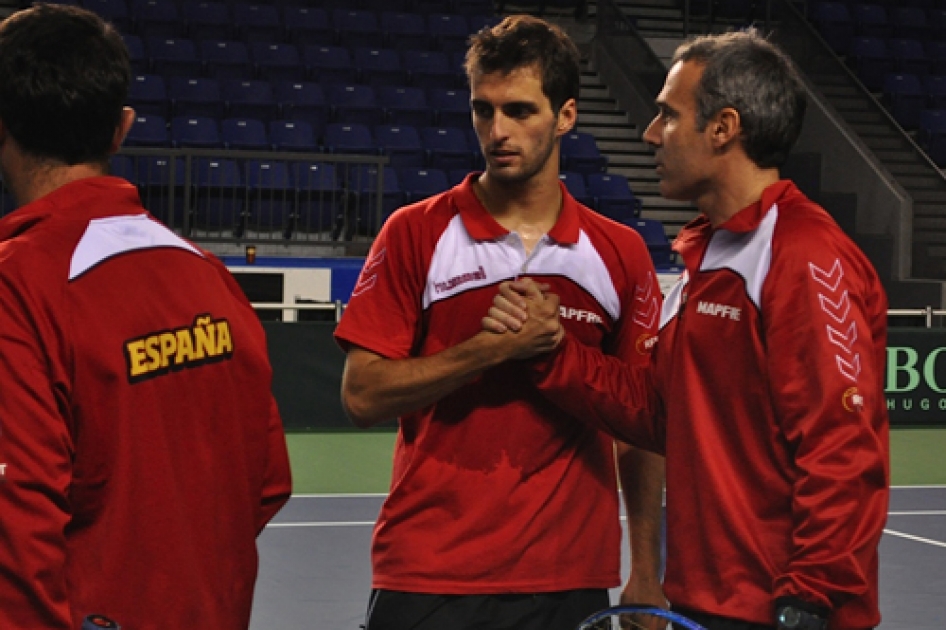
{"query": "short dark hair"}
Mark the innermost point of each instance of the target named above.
(64, 75)
(744, 71)
(522, 40)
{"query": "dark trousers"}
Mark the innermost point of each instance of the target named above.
(394, 610)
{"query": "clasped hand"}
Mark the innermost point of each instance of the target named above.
(528, 315)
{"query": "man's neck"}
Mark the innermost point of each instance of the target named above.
(735, 191)
(36, 179)
(530, 209)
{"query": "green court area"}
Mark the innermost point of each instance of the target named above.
(341, 462)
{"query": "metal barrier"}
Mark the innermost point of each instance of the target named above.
(234, 196)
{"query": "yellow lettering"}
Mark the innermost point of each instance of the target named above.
(136, 357)
(224, 342)
(185, 347)
(151, 346)
(204, 336)
(168, 346)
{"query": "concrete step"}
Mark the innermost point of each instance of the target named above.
(622, 132)
(919, 181)
(929, 223)
(619, 159)
(935, 199)
(932, 236)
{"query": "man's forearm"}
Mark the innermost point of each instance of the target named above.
(376, 389)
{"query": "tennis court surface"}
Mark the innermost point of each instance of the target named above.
(315, 572)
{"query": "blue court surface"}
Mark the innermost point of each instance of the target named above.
(315, 572)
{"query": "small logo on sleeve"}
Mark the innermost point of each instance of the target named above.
(206, 341)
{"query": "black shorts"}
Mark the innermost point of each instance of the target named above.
(395, 610)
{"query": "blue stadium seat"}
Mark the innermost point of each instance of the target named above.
(908, 56)
(449, 31)
(349, 138)
(225, 59)
(404, 31)
(219, 196)
(173, 57)
(114, 11)
(936, 54)
(208, 20)
(457, 175)
(401, 144)
(136, 54)
(293, 135)
(277, 62)
(363, 184)
(870, 20)
(479, 21)
(575, 183)
(249, 99)
(935, 86)
(308, 26)
(405, 106)
(420, 183)
(447, 148)
(321, 204)
(580, 153)
(354, 103)
(355, 27)
(197, 132)
(452, 107)
(329, 64)
(613, 196)
(905, 97)
(147, 94)
(124, 167)
(160, 181)
(195, 97)
(655, 237)
(909, 22)
(156, 18)
(303, 101)
(270, 194)
(257, 22)
(475, 9)
(429, 69)
(244, 134)
(834, 23)
(148, 130)
(871, 61)
(379, 66)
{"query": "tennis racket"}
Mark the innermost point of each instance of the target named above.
(633, 617)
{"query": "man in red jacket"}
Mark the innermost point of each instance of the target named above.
(141, 451)
(767, 379)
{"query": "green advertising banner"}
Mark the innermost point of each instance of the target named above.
(915, 382)
(307, 375)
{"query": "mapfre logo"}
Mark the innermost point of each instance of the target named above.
(852, 400)
(645, 343)
(206, 341)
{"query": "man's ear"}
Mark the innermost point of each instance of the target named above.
(567, 117)
(124, 126)
(726, 127)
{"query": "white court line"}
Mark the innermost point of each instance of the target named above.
(935, 543)
(330, 495)
(918, 513)
(325, 524)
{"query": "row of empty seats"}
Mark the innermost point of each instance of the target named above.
(403, 145)
(444, 26)
(221, 59)
(308, 101)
